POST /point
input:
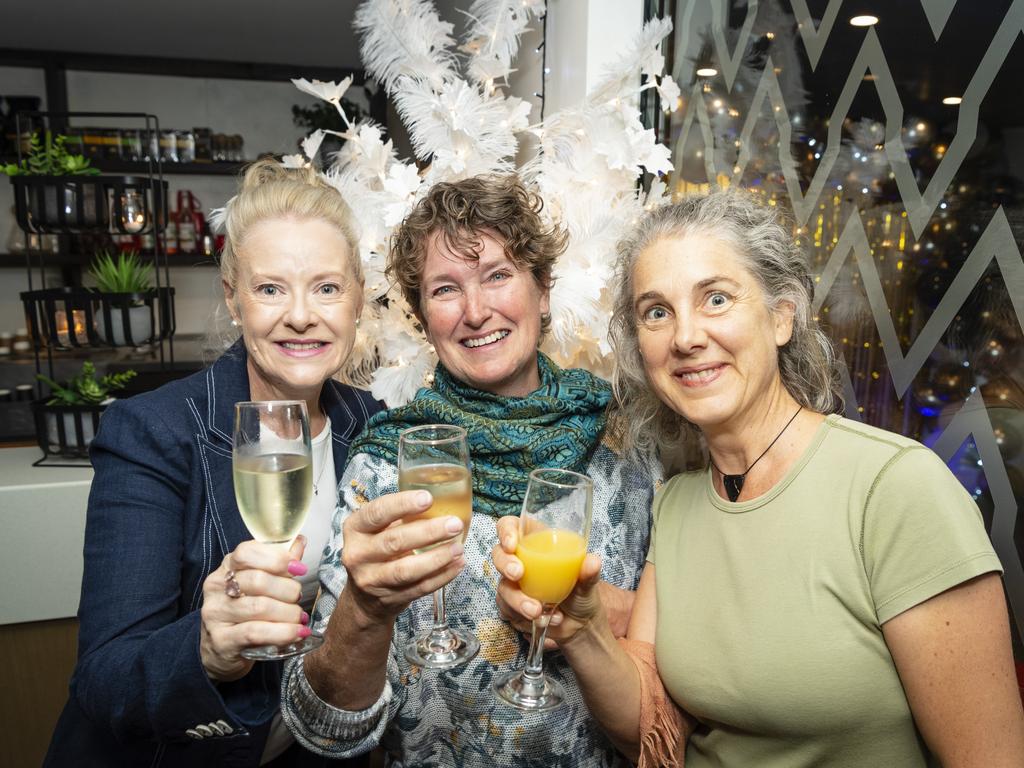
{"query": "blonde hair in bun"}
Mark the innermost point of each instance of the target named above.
(268, 190)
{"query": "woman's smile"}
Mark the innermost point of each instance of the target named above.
(699, 376)
(490, 340)
(302, 347)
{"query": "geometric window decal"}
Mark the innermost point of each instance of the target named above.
(899, 150)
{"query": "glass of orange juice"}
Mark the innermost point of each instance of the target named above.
(435, 458)
(554, 527)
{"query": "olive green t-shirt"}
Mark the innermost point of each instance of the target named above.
(770, 610)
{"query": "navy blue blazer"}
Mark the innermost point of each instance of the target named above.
(161, 517)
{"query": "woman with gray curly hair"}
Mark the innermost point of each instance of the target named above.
(826, 594)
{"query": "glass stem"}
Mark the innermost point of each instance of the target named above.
(440, 615)
(535, 659)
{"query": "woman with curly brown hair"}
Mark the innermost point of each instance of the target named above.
(474, 260)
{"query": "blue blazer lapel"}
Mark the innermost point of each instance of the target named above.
(348, 412)
(227, 383)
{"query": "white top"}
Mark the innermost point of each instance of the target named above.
(317, 530)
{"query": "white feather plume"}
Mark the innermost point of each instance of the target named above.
(586, 171)
(642, 57)
(459, 128)
(404, 38)
(492, 39)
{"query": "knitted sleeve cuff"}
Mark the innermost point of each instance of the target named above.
(325, 729)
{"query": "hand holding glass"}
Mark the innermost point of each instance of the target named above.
(435, 458)
(273, 473)
(554, 527)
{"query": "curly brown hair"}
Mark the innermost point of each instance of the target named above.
(460, 212)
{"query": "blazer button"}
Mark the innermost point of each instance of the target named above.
(205, 730)
(192, 732)
(224, 727)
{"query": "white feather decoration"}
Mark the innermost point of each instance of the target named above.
(458, 127)
(621, 77)
(404, 38)
(493, 36)
(586, 171)
(328, 91)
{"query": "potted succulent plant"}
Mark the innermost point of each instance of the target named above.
(123, 283)
(50, 194)
(70, 417)
(49, 157)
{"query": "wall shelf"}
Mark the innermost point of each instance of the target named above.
(137, 168)
(61, 259)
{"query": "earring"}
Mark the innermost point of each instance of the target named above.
(234, 322)
(357, 321)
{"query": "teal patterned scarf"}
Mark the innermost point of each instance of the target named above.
(558, 425)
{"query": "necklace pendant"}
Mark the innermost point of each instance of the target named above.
(733, 485)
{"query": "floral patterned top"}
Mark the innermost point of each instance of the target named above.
(452, 718)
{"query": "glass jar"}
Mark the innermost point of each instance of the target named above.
(186, 142)
(169, 146)
(131, 144)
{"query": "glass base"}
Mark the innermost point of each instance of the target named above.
(442, 649)
(534, 694)
(277, 652)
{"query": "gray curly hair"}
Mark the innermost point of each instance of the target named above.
(758, 233)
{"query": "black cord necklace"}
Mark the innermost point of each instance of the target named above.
(734, 483)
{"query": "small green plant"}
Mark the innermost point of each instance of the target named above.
(85, 389)
(49, 157)
(125, 273)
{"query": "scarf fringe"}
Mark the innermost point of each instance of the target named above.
(664, 727)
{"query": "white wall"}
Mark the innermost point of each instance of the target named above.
(585, 37)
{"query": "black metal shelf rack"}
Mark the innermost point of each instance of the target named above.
(70, 317)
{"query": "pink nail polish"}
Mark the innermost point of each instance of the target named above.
(304, 632)
(305, 618)
(297, 568)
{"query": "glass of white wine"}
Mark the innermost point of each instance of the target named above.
(273, 472)
(435, 458)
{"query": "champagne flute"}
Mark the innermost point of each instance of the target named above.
(273, 472)
(554, 527)
(435, 458)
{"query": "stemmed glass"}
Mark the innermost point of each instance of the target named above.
(435, 458)
(554, 527)
(273, 472)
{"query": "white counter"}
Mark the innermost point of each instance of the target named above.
(42, 517)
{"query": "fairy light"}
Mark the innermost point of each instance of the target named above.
(866, 20)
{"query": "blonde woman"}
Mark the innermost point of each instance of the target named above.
(173, 587)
